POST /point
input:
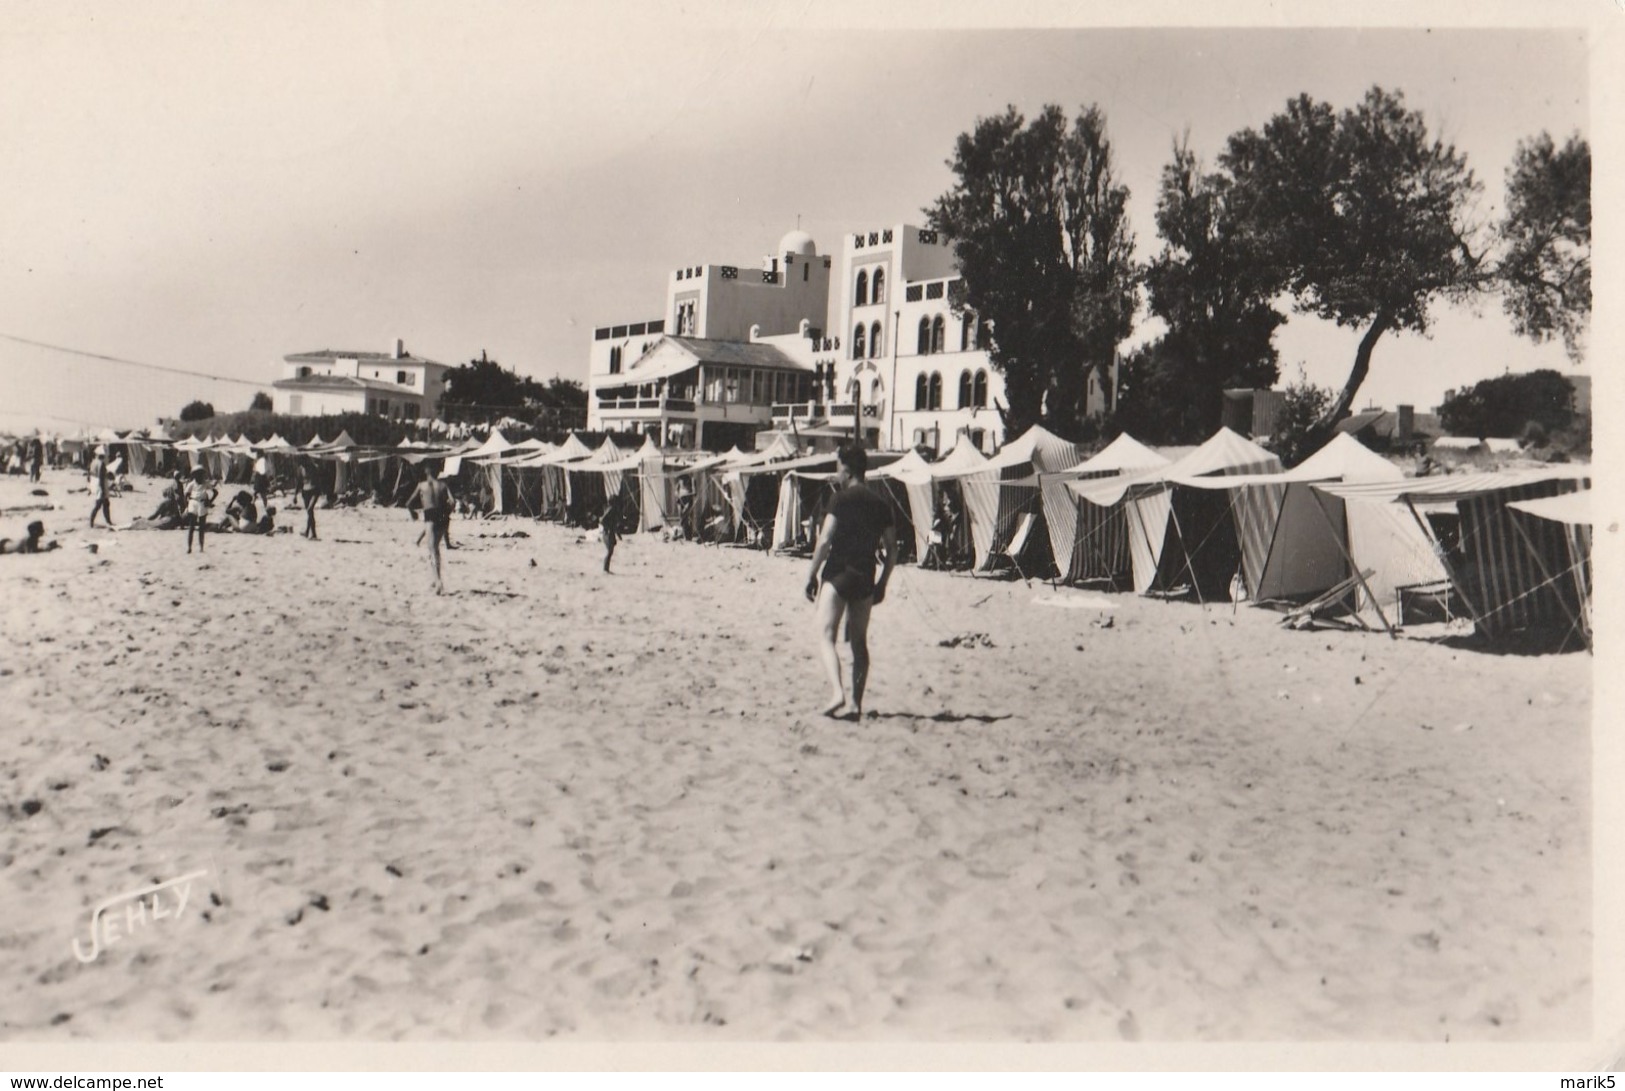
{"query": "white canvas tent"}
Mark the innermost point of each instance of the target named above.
(1090, 541)
(1297, 543)
(1153, 524)
(1002, 488)
(1502, 572)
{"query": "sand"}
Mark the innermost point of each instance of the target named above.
(560, 805)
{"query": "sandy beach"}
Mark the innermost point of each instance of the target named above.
(555, 804)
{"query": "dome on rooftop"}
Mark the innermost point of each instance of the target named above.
(798, 242)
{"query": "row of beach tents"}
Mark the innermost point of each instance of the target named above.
(1219, 522)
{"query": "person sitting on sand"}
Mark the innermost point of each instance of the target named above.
(841, 580)
(34, 543)
(199, 495)
(241, 514)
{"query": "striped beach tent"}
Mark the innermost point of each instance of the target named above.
(1503, 572)
(1183, 536)
(1087, 540)
(1571, 512)
(1005, 487)
(1296, 543)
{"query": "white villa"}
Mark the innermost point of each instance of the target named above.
(389, 384)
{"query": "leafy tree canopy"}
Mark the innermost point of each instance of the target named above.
(1360, 215)
(1506, 404)
(1363, 218)
(486, 384)
(261, 402)
(1547, 234)
(1213, 288)
(198, 410)
(1040, 230)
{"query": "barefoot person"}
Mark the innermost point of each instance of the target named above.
(98, 487)
(609, 524)
(307, 495)
(842, 580)
(433, 498)
(199, 495)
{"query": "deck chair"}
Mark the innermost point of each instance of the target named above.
(1300, 617)
(1012, 549)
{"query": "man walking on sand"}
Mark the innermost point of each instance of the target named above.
(433, 498)
(842, 580)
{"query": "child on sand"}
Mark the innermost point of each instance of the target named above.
(34, 543)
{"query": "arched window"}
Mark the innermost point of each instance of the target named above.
(875, 340)
(967, 326)
(936, 390)
(922, 393)
(879, 293)
(938, 334)
(979, 389)
(862, 295)
(925, 337)
(964, 390)
(857, 341)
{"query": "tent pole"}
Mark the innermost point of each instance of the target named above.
(1529, 544)
(1349, 557)
(1444, 561)
(1190, 565)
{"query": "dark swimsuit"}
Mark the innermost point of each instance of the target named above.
(860, 518)
(852, 584)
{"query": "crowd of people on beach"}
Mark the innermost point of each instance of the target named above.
(856, 536)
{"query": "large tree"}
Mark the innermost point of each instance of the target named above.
(1546, 265)
(1361, 215)
(1365, 219)
(1040, 229)
(1213, 288)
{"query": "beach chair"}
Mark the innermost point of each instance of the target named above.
(1302, 617)
(1012, 549)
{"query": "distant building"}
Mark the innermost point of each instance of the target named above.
(393, 384)
(1252, 412)
(1403, 429)
(869, 340)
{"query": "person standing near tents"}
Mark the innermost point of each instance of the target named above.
(98, 487)
(199, 495)
(36, 458)
(433, 498)
(262, 477)
(609, 525)
(841, 580)
(307, 496)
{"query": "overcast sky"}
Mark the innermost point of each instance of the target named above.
(212, 186)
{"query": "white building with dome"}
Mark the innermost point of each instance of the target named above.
(807, 344)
